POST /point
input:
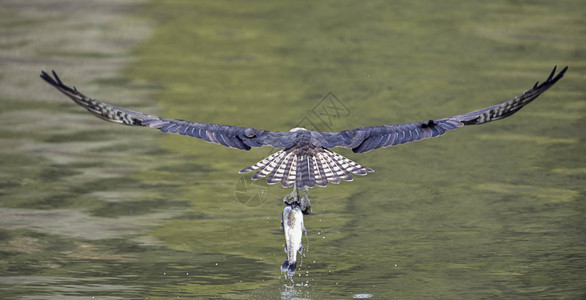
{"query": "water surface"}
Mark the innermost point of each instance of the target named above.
(91, 209)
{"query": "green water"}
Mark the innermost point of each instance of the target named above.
(91, 209)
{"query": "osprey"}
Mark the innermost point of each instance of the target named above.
(305, 159)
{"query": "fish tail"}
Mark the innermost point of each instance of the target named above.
(288, 267)
(285, 266)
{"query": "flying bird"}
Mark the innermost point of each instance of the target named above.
(305, 159)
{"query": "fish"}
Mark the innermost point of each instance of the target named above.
(293, 229)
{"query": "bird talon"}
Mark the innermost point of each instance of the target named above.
(305, 206)
(305, 203)
(291, 198)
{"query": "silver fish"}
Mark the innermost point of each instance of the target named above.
(293, 228)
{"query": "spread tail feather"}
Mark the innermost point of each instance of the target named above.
(290, 168)
(281, 170)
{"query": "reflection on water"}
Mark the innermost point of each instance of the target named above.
(90, 209)
(290, 292)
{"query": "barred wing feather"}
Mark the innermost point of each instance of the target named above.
(365, 139)
(230, 136)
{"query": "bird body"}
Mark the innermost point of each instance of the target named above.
(306, 159)
(307, 163)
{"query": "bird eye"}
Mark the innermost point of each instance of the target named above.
(249, 132)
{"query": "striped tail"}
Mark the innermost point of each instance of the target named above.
(289, 167)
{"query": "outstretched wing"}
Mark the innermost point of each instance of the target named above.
(229, 136)
(364, 139)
